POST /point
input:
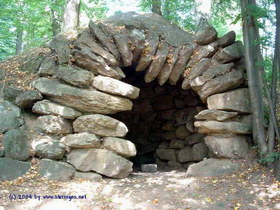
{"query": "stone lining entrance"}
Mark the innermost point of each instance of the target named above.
(161, 123)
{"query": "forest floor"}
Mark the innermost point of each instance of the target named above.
(252, 187)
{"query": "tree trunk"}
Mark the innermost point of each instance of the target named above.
(55, 23)
(156, 7)
(249, 30)
(71, 16)
(275, 74)
(19, 41)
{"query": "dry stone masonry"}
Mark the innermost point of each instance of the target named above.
(131, 88)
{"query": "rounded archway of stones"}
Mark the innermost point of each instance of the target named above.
(161, 123)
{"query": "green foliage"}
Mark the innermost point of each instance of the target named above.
(270, 158)
(180, 12)
(38, 20)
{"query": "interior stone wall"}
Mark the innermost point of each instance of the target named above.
(161, 123)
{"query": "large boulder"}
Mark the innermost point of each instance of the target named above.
(115, 87)
(12, 169)
(101, 161)
(56, 170)
(46, 147)
(81, 99)
(120, 146)
(100, 125)
(212, 114)
(236, 100)
(229, 147)
(49, 108)
(223, 127)
(81, 140)
(10, 116)
(53, 125)
(75, 76)
(212, 167)
(28, 98)
(16, 144)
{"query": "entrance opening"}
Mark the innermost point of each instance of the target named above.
(161, 123)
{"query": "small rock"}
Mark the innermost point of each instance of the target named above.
(199, 151)
(100, 125)
(149, 167)
(227, 39)
(205, 33)
(46, 147)
(230, 53)
(185, 155)
(47, 108)
(223, 127)
(28, 98)
(120, 146)
(176, 144)
(212, 114)
(116, 87)
(12, 169)
(16, 144)
(56, 170)
(164, 145)
(166, 154)
(48, 67)
(212, 167)
(174, 164)
(81, 140)
(75, 76)
(182, 132)
(194, 139)
(53, 125)
(88, 176)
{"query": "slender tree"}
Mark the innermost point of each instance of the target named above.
(71, 16)
(252, 58)
(19, 40)
(275, 75)
(156, 7)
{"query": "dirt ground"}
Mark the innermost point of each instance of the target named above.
(252, 187)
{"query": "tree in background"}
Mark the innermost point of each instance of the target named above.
(71, 16)
(156, 7)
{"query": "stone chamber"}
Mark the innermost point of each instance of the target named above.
(130, 89)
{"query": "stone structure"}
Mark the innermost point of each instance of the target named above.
(135, 82)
